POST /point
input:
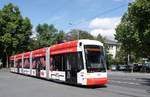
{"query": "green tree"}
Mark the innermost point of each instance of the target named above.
(46, 35)
(134, 30)
(33, 44)
(73, 35)
(139, 13)
(109, 60)
(125, 34)
(60, 37)
(121, 56)
(15, 31)
(100, 38)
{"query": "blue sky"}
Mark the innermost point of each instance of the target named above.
(90, 15)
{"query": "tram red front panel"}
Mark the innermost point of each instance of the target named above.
(97, 81)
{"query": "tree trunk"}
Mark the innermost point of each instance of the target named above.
(7, 60)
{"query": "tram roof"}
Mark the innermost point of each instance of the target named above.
(60, 46)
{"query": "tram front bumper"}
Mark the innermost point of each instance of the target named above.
(97, 81)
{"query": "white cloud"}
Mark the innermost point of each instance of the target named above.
(104, 23)
(109, 33)
(104, 26)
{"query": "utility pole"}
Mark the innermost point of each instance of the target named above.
(129, 63)
(78, 33)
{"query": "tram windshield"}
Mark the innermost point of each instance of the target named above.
(95, 61)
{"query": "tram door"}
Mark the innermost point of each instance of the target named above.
(18, 65)
(37, 71)
(71, 69)
(17, 69)
(38, 68)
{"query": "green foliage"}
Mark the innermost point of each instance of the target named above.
(121, 56)
(46, 35)
(103, 40)
(134, 30)
(60, 37)
(15, 30)
(100, 38)
(125, 34)
(73, 35)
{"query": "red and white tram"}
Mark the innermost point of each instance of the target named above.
(76, 62)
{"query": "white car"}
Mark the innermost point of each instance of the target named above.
(113, 67)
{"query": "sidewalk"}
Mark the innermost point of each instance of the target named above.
(4, 70)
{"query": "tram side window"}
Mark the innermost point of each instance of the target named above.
(74, 61)
(39, 62)
(33, 63)
(12, 63)
(26, 63)
(43, 62)
(18, 63)
(66, 61)
(57, 62)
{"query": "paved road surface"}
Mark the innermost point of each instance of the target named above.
(121, 85)
(133, 80)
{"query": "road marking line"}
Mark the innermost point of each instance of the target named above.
(131, 83)
(138, 79)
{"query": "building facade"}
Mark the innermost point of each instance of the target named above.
(112, 47)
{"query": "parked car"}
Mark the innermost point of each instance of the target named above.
(122, 67)
(125, 67)
(137, 67)
(146, 67)
(113, 67)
